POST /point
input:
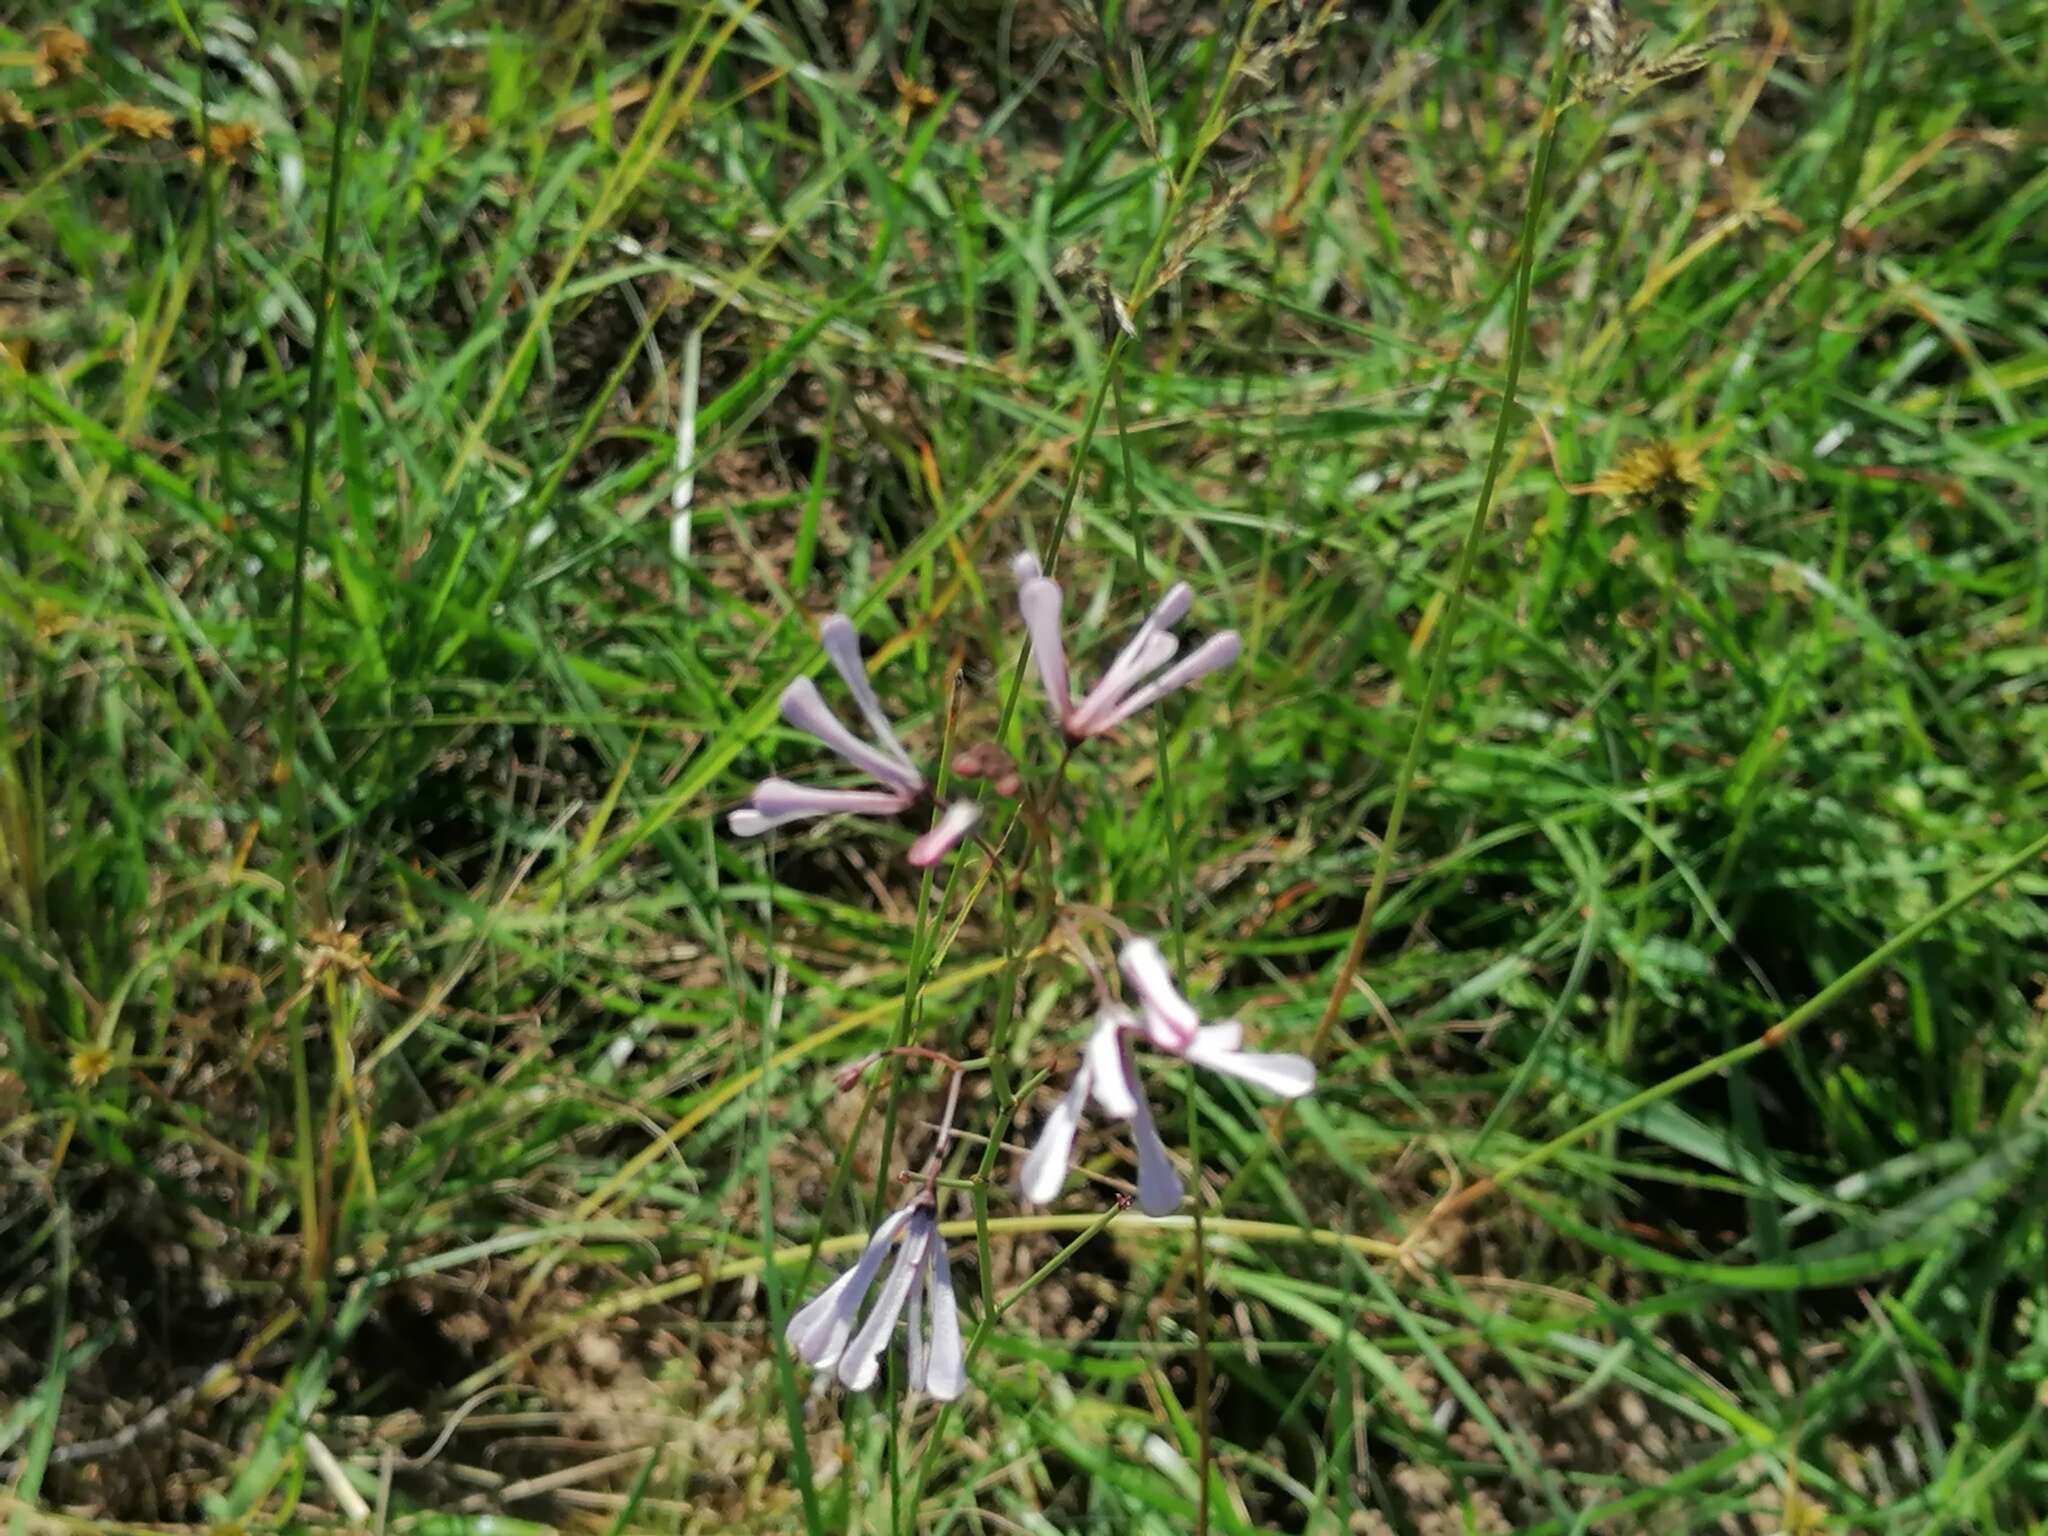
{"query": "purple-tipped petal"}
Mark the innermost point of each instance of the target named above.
(842, 647)
(946, 1359)
(1159, 1187)
(1045, 1165)
(1213, 654)
(1284, 1074)
(1039, 600)
(861, 1363)
(805, 709)
(1116, 1086)
(1170, 1021)
(781, 800)
(943, 838)
(819, 1331)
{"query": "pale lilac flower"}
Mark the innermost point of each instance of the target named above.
(1138, 678)
(1166, 1021)
(824, 1336)
(777, 802)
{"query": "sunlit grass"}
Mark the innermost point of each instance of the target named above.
(1630, 790)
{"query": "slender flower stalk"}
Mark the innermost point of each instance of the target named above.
(777, 802)
(1138, 678)
(1166, 1021)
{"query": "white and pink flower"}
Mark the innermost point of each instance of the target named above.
(1166, 1021)
(824, 1335)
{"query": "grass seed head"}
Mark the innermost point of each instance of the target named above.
(60, 54)
(137, 122)
(1662, 479)
(231, 142)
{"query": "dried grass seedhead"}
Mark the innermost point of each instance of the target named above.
(1619, 68)
(12, 112)
(1205, 222)
(1596, 33)
(232, 142)
(1661, 479)
(60, 54)
(1303, 26)
(1084, 261)
(137, 122)
(1122, 70)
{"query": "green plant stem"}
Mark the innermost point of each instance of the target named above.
(299, 828)
(785, 1372)
(1204, 1378)
(1447, 627)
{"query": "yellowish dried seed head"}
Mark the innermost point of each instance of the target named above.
(137, 122)
(1655, 474)
(229, 143)
(60, 53)
(90, 1063)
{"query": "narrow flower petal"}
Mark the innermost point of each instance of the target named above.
(1287, 1075)
(1159, 1187)
(958, 821)
(810, 1332)
(1227, 1036)
(842, 647)
(946, 1360)
(1116, 1088)
(748, 822)
(913, 1331)
(1213, 654)
(1150, 648)
(1045, 1165)
(1170, 1022)
(805, 709)
(1138, 661)
(1024, 566)
(861, 1363)
(1039, 601)
(818, 1333)
(779, 799)
(1173, 607)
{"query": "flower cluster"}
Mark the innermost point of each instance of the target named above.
(777, 802)
(822, 1334)
(832, 1333)
(1167, 1022)
(1118, 694)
